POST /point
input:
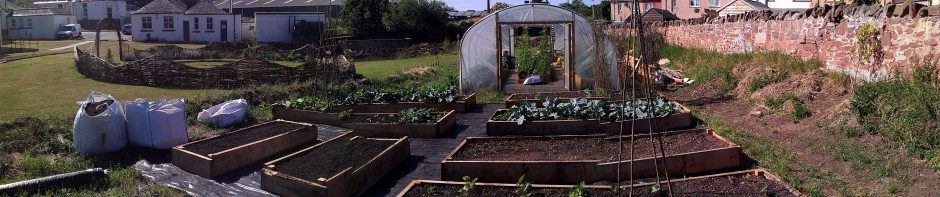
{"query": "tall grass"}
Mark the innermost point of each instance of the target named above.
(702, 65)
(904, 109)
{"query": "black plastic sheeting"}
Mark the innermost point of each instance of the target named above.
(245, 181)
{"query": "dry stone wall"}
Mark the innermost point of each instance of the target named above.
(827, 34)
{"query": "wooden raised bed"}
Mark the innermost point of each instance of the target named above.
(420, 130)
(720, 154)
(564, 96)
(439, 128)
(213, 156)
(678, 119)
(756, 182)
(348, 181)
(461, 106)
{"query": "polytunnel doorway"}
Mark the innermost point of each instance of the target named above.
(537, 58)
(577, 61)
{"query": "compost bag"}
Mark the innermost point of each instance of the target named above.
(225, 114)
(99, 125)
(157, 124)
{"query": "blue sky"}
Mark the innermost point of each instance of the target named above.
(481, 4)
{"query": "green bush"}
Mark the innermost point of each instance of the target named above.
(363, 17)
(416, 16)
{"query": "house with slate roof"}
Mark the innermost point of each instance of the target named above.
(37, 23)
(172, 21)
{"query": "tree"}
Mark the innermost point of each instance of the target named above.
(499, 6)
(415, 16)
(603, 10)
(363, 17)
(579, 7)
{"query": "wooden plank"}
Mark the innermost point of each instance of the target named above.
(756, 172)
(351, 181)
(573, 172)
(307, 116)
(214, 164)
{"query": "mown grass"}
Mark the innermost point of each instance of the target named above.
(377, 70)
(904, 109)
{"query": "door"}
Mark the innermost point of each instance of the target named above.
(186, 31)
(224, 31)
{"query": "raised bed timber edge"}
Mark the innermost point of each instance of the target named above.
(417, 130)
(216, 163)
(514, 99)
(590, 171)
(351, 181)
(461, 106)
(782, 188)
(679, 119)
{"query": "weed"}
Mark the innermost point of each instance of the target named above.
(432, 190)
(577, 190)
(935, 163)
(764, 80)
(799, 112)
(655, 188)
(867, 41)
(523, 189)
(614, 188)
(841, 79)
(468, 185)
(344, 115)
(891, 189)
(776, 102)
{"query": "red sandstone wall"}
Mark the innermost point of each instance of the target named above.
(826, 34)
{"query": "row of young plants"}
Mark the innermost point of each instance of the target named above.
(435, 94)
(581, 108)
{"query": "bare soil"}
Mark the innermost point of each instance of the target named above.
(242, 137)
(742, 185)
(333, 157)
(604, 149)
(96, 108)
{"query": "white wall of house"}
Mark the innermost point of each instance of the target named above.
(247, 31)
(276, 27)
(159, 31)
(38, 27)
(90, 10)
(788, 4)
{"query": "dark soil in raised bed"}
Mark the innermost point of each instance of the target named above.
(597, 148)
(96, 108)
(739, 185)
(242, 137)
(333, 157)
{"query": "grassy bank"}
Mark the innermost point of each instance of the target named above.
(702, 65)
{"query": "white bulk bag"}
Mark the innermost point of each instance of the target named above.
(157, 124)
(225, 114)
(102, 133)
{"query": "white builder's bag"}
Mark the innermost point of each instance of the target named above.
(99, 125)
(225, 114)
(157, 124)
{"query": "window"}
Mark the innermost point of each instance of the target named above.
(696, 3)
(196, 23)
(29, 23)
(649, 6)
(147, 23)
(168, 22)
(674, 3)
(13, 23)
(109, 12)
(209, 24)
(85, 9)
(714, 3)
(619, 7)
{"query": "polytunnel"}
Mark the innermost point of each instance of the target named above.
(573, 41)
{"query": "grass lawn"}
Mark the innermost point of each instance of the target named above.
(381, 69)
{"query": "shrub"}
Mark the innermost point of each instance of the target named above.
(416, 16)
(363, 17)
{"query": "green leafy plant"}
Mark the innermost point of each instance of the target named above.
(524, 60)
(577, 190)
(867, 41)
(656, 187)
(799, 112)
(344, 115)
(580, 108)
(615, 188)
(468, 185)
(523, 189)
(431, 190)
(417, 115)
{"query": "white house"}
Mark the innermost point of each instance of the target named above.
(169, 20)
(90, 10)
(285, 26)
(39, 24)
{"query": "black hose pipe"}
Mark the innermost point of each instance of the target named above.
(40, 185)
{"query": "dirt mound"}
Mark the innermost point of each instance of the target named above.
(747, 75)
(807, 87)
(707, 92)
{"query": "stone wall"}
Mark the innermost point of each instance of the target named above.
(827, 34)
(153, 71)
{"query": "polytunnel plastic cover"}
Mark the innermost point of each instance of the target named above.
(478, 51)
